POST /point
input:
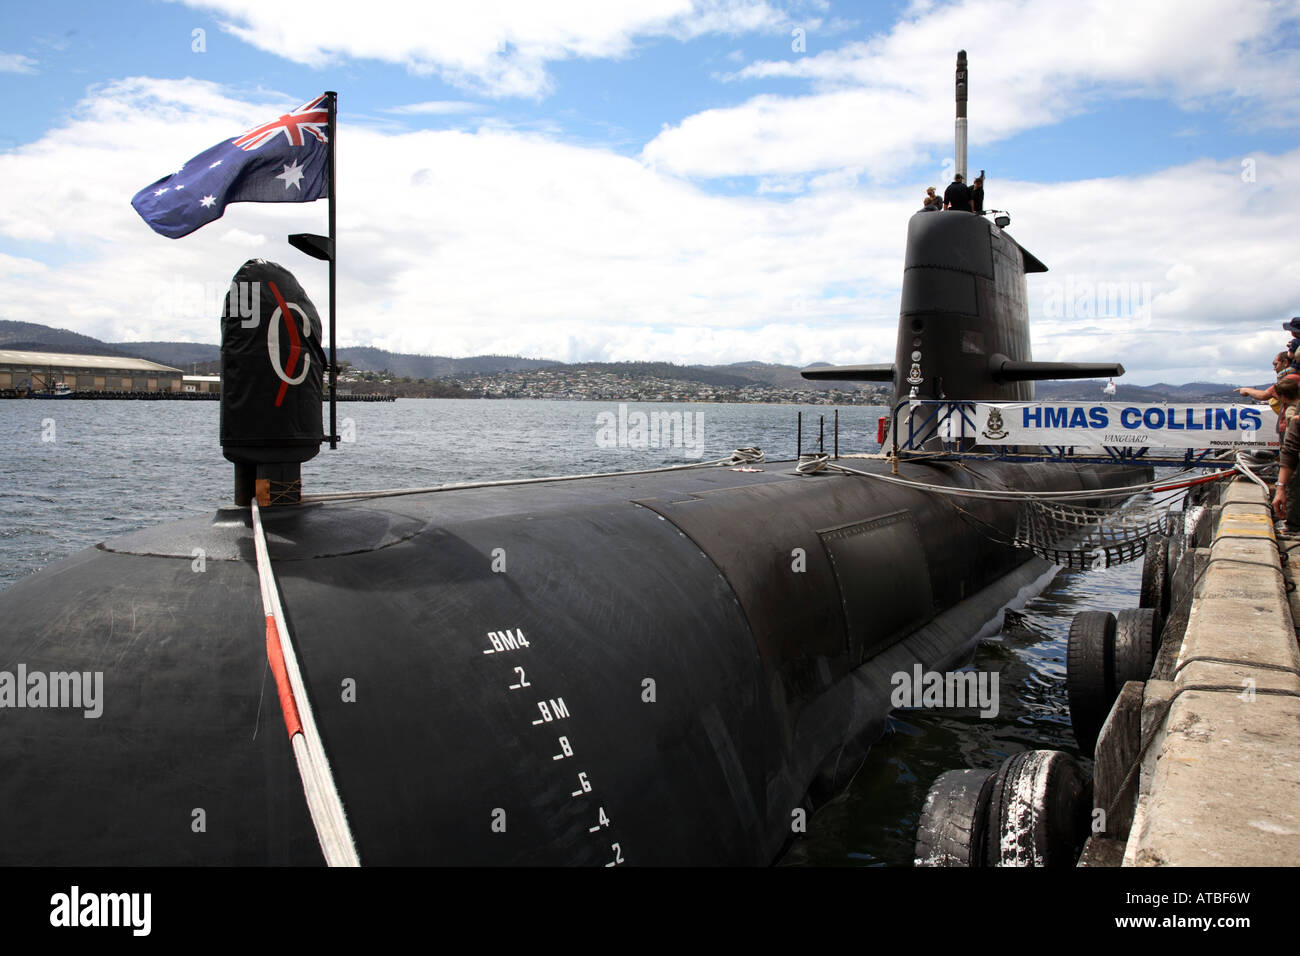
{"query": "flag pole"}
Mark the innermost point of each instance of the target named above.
(332, 133)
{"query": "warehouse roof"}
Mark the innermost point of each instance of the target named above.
(64, 361)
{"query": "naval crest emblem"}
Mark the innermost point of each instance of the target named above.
(993, 425)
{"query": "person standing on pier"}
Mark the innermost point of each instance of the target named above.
(1286, 500)
(1291, 347)
(1282, 365)
(1284, 408)
(1285, 401)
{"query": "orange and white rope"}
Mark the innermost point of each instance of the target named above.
(323, 800)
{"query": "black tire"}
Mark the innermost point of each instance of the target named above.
(1155, 576)
(1038, 811)
(1090, 675)
(1177, 548)
(1201, 530)
(1137, 638)
(954, 820)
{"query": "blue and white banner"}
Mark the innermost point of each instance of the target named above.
(1119, 425)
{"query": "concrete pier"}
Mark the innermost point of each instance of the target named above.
(1219, 782)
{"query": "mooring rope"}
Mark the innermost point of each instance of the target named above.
(812, 464)
(1242, 467)
(323, 801)
(749, 455)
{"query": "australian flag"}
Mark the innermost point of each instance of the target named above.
(285, 160)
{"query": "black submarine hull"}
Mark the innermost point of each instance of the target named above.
(652, 669)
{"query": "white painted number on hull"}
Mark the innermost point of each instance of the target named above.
(503, 641)
(552, 709)
(549, 711)
(584, 785)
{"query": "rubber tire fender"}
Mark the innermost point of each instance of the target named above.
(1090, 675)
(1038, 811)
(1137, 638)
(1155, 576)
(1177, 548)
(954, 820)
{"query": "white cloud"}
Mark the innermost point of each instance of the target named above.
(449, 241)
(18, 266)
(1211, 281)
(889, 99)
(455, 242)
(16, 63)
(501, 47)
(238, 237)
(433, 107)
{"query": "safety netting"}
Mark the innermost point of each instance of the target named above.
(1082, 538)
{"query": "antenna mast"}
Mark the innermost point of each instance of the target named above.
(961, 114)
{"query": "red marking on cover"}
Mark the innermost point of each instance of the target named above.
(294, 347)
(276, 657)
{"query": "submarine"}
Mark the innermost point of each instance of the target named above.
(669, 667)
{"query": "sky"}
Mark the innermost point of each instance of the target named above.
(695, 181)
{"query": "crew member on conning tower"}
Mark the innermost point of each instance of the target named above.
(957, 196)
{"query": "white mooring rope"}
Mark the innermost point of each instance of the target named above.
(1242, 467)
(749, 455)
(323, 801)
(820, 462)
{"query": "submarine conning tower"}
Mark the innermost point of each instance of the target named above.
(963, 324)
(964, 310)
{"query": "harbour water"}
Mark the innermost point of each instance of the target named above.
(78, 472)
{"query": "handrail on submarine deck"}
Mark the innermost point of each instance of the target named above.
(947, 420)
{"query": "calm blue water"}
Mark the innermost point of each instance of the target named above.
(77, 472)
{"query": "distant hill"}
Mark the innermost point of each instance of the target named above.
(717, 375)
(437, 366)
(34, 337)
(22, 336)
(176, 354)
(1090, 390)
(1205, 391)
(779, 376)
(185, 354)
